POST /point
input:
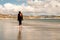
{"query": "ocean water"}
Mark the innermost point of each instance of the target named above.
(46, 20)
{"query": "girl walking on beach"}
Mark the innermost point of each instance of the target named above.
(20, 18)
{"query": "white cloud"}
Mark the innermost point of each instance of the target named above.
(50, 7)
(9, 8)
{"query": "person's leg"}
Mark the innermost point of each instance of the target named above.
(20, 25)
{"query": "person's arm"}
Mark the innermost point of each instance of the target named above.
(17, 17)
(22, 17)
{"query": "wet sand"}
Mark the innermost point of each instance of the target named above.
(31, 30)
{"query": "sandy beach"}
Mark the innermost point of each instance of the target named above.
(31, 30)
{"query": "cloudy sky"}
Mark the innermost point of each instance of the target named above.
(30, 7)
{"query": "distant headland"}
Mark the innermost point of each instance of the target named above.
(30, 17)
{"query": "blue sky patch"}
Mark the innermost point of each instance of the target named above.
(13, 1)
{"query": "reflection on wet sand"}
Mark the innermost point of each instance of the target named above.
(20, 28)
(19, 35)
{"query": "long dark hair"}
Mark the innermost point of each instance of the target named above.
(20, 13)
